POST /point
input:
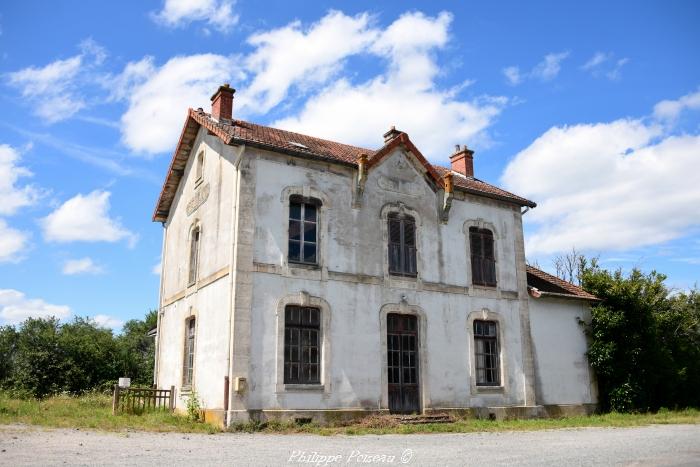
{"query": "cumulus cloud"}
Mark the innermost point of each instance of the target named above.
(215, 13)
(605, 64)
(13, 243)
(15, 307)
(159, 96)
(546, 70)
(53, 90)
(81, 266)
(157, 268)
(107, 321)
(405, 94)
(13, 196)
(669, 110)
(85, 218)
(297, 55)
(608, 186)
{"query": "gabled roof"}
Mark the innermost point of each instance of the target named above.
(237, 132)
(549, 285)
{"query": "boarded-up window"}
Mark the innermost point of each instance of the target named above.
(188, 364)
(402, 245)
(482, 256)
(487, 365)
(303, 230)
(302, 351)
(194, 256)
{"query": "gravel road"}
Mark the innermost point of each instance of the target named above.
(652, 445)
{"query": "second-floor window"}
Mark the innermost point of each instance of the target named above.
(194, 256)
(402, 245)
(303, 230)
(482, 257)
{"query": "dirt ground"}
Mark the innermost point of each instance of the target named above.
(651, 445)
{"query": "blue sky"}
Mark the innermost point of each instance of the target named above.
(591, 109)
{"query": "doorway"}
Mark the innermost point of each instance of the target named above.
(402, 363)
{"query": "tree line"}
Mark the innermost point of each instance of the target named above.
(42, 356)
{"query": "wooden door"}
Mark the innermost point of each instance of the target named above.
(402, 363)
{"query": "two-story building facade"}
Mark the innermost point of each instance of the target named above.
(303, 278)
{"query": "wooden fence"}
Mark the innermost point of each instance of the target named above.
(140, 400)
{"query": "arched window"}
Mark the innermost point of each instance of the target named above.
(482, 257)
(303, 230)
(199, 169)
(194, 255)
(402, 244)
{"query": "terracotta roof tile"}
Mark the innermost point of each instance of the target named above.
(552, 285)
(242, 132)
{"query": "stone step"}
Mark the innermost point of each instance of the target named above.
(423, 419)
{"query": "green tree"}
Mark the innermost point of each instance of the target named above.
(8, 347)
(137, 349)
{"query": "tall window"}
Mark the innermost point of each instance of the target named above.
(486, 353)
(200, 166)
(402, 245)
(302, 351)
(303, 230)
(194, 255)
(482, 255)
(188, 364)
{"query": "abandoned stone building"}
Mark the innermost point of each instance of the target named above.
(304, 278)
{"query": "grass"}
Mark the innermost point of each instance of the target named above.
(94, 411)
(381, 425)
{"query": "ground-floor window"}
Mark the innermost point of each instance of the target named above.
(486, 353)
(302, 349)
(188, 363)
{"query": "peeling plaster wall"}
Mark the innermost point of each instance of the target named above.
(563, 374)
(352, 277)
(210, 297)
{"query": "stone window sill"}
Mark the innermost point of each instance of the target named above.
(304, 387)
(489, 389)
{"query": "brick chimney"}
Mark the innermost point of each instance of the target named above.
(391, 134)
(463, 161)
(222, 103)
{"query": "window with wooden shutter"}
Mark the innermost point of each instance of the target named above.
(302, 349)
(303, 230)
(482, 257)
(486, 353)
(194, 256)
(402, 245)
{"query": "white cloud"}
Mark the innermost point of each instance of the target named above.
(54, 89)
(13, 243)
(512, 74)
(604, 64)
(669, 110)
(81, 266)
(107, 321)
(216, 13)
(294, 55)
(546, 70)
(157, 268)
(85, 218)
(608, 186)
(14, 197)
(159, 96)
(405, 95)
(15, 307)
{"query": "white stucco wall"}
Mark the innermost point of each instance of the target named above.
(563, 374)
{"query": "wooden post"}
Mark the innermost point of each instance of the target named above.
(172, 398)
(115, 400)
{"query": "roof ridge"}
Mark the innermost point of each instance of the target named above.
(559, 282)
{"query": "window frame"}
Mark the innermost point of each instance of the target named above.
(199, 168)
(305, 369)
(495, 353)
(480, 262)
(403, 269)
(188, 358)
(194, 250)
(304, 201)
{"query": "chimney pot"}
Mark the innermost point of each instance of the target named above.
(222, 103)
(463, 161)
